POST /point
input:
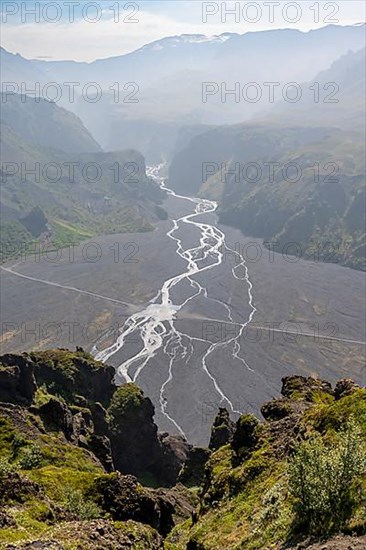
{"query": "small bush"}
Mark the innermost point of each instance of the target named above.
(324, 481)
(6, 468)
(32, 458)
(125, 401)
(17, 443)
(76, 503)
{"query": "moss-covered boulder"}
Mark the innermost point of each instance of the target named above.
(246, 435)
(276, 409)
(17, 382)
(135, 444)
(300, 387)
(345, 387)
(222, 431)
(193, 471)
(72, 375)
(125, 499)
(56, 416)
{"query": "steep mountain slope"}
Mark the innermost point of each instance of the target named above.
(42, 122)
(296, 176)
(76, 193)
(337, 97)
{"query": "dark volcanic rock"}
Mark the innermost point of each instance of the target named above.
(137, 448)
(82, 424)
(17, 382)
(245, 437)
(193, 471)
(301, 387)
(6, 520)
(181, 499)
(16, 487)
(222, 430)
(276, 409)
(134, 439)
(345, 387)
(99, 414)
(56, 416)
(73, 373)
(174, 451)
(125, 499)
(100, 445)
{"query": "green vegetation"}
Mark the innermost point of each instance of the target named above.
(271, 484)
(83, 508)
(300, 189)
(55, 206)
(324, 479)
(126, 399)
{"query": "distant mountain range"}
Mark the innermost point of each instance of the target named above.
(58, 186)
(295, 175)
(168, 76)
(168, 118)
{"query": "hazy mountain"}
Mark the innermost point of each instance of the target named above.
(17, 69)
(168, 75)
(43, 122)
(319, 203)
(341, 104)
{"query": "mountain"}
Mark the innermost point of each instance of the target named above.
(318, 204)
(340, 92)
(44, 123)
(166, 79)
(83, 465)
(55, 176)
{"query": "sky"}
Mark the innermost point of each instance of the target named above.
(85, 31)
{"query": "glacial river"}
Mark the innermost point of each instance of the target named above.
(156, 326)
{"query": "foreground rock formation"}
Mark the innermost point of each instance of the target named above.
(82, 464)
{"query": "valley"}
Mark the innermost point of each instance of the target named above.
(182, 276)
(233, 318)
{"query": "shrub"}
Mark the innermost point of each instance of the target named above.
(125, 401)
(324, 481)
(32, 458)
(6, 468)
(17, 443)
(76, 503)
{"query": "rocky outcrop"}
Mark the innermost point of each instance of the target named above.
(78, 399)
(72, 374)
(125, 499)
(100, 446)
(137, 447)
(133, 433)
(16, 487)
(345, 387)
(193, 470)
(56, 416)
(222, 431)
(173, 453)
(17, 382)
(98, 534)
(245, 437)
(302, 387)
